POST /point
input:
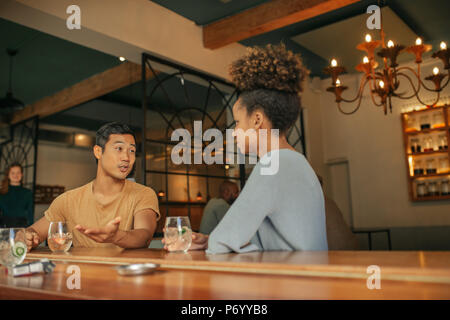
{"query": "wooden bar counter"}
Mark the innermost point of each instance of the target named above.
(257, 275)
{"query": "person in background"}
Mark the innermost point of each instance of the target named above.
(16, 202)
(109, 211)
(216, 208)
(283, 210)
(339, 235)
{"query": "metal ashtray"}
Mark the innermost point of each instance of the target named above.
(136, 269)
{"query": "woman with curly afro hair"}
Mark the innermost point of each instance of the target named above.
(284, 210)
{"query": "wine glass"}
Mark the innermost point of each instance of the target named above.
(13, 246)
(59, 238)
(178, 234)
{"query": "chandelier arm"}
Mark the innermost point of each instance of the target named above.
(418, 78)
(372, 88)
(351, 112)
(448, 79)
(436, 101)
(417, 92)
(373, 100)
(360, 99)
(360, 91)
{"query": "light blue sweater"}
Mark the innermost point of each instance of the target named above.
(284, 211)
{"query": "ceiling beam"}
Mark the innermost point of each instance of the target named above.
(265, 18)
(93, 87)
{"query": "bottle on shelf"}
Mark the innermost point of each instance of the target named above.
(445, 191)
(415, 145)
(425, 122)
(443, 144)
(432, 189)
(418, 167)
(421, 189)
(431, 166)
(428, 144)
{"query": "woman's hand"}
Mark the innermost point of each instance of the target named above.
(199, 242)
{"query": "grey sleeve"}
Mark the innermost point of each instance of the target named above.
(243, 219)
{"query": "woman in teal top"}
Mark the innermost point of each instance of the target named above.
(16, 202)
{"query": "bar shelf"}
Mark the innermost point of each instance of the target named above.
(427, 129)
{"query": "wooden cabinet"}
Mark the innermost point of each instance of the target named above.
(426, 135)
(46, 194)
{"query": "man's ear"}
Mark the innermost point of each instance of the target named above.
(97, 152)
(258, 119)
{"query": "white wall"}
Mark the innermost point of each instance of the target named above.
(373, 144)
(60, 165)
(310, 101)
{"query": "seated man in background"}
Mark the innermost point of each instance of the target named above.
(339, 235)
(109, 211)
(216, 208)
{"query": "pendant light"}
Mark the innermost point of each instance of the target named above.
(10, 104)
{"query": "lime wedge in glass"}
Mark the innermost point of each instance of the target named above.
(183, 230)
(19, 249)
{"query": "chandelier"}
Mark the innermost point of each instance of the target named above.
(384, 82)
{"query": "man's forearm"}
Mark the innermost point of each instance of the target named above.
(137, 238)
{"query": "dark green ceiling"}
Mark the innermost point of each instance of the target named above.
(45, 64)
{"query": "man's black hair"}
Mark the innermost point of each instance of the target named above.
(102, 135)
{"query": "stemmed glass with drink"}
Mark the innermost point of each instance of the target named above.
(177, 234)
(59, 238)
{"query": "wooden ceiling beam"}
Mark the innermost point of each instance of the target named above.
(93, 87)
(265, 18)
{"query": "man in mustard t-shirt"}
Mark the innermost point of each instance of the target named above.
(109, 211)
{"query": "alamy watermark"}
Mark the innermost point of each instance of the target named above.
(374, 280)
(374, 21)
(74, 280)
(215, 153)
(74, 20)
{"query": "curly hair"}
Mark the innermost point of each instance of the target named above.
(272, 67)
(270, 78)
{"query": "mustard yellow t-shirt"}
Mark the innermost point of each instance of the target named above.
(78, 206)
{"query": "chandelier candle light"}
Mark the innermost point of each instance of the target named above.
(384, 83)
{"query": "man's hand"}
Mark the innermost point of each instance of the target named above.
(32, 239)
(199, 242)
(106, 234)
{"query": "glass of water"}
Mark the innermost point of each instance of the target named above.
(59, 238)
(178, 234)
(13, 246)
